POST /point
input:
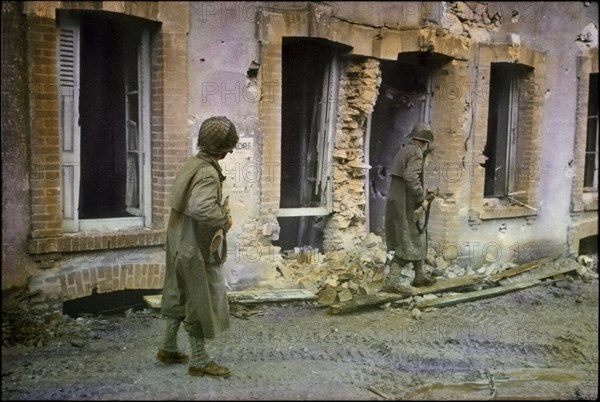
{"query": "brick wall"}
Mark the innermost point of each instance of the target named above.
(270, 115)
(76, 283)
(44, 127)
(47, 244)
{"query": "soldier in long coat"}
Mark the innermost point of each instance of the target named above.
(407, 192)
(194, 290)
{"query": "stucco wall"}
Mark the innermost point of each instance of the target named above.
(231, 65)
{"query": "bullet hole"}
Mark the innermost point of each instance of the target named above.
(253, 70)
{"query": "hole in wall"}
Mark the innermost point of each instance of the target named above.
(108, 303)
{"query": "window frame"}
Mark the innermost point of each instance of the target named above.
(582, 200)
(70, 134)
(525, 200)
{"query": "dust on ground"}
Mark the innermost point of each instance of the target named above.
(536, 343)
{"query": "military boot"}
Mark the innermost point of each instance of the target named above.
(421, 278)
(392, 280)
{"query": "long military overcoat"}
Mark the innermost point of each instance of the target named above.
(407, 190)
(194, 287)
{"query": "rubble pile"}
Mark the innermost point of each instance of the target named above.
(337, 276)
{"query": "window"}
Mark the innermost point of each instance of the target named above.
(501, 166)
(310, 71)
(590, 181)
(104, 65)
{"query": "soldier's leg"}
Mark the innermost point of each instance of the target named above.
(393, 279)
(421, 278)
(201, 363)
(169, 352)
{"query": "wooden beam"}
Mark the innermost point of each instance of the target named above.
(359, 302)
(519, 269)
(383, 297)
(477, 295)
(251, 296)
(448, 284)
(541, 272)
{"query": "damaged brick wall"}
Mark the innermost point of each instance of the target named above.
(359, 87)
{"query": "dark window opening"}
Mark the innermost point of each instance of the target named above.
(310, 75)
(297, 231)
(108, 69)
(590, 178)
(502, 131)
(303, 66)
(588, 245)
(404, 99)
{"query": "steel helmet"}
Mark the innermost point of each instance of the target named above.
(217, 134)
(422, 131)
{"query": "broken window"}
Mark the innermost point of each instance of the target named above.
(104, 64)
(310, 75)
(501, 165)
(590, 178)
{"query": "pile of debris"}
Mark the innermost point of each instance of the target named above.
(339, 275)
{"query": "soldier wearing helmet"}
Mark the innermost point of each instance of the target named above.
(407, 192)
(194, 289)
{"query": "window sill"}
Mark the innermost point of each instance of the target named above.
(590, 201)
(494, 208)
(101, 240)
(587, 202)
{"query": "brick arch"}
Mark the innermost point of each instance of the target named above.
(581, 231)
(108, 278)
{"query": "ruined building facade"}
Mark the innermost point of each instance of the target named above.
(102, 101)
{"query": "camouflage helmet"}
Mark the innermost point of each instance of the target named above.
(217, 134)
(422, 131)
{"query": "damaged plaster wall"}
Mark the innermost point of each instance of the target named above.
(17, 266)
(224, 80)
(359, 85)
(557, 30)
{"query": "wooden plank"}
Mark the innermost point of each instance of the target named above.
(448, 284)
(153, 301)
(519, 269)
(251, 296)
(359, 302)
(477, 295)
(541, 272)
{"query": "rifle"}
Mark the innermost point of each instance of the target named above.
(418, 214)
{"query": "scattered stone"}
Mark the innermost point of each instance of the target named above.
(416, 313)
(328, 296)
(344, 295)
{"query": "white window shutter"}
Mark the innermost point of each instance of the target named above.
(138, 185)
(145, 94)
(327, 126)
(68, 66)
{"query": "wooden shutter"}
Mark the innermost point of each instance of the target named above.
(327, 132)
(68, 66)
(139, 190)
